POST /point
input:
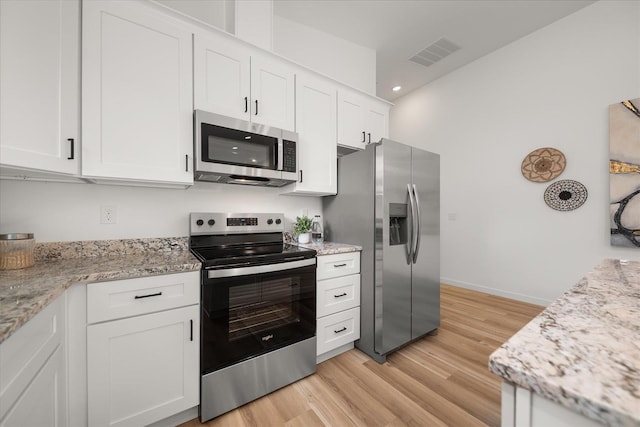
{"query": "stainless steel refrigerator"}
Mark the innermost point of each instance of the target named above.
(388, 202)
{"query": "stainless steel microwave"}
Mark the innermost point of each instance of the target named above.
(234, 151)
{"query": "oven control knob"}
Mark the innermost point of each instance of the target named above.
(211, 221)
(278, 221)
(199, 222)
(269, 221)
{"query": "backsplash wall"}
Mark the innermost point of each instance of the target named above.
(68, 212)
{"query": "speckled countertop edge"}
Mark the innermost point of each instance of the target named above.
(330, 248)
(24, 293)
(583, 351)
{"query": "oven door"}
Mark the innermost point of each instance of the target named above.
(249, 311)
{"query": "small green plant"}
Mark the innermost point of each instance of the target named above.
(302, 225)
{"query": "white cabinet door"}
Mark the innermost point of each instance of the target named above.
(316, 127)
(221, 76)
(143, 369)
(137, 116)
(40, 85)
(236, 81)
(272, 92)
(362, 120)
(351, 127)
(376, 121)
(33, 385)
(43, 402)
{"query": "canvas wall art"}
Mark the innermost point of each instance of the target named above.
(624, 173)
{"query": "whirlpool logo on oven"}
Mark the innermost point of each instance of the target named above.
(267, 337)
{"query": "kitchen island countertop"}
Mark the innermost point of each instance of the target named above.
(24, 293)
(330, 248)
(583, 351)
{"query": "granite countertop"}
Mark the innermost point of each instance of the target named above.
(24, 293)
(583, 351)
(330, 248)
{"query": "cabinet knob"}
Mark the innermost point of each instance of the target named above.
(211, 221)
(199, 222)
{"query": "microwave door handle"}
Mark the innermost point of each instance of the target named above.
(280, 155)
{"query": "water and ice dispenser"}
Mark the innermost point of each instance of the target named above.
(398, 226)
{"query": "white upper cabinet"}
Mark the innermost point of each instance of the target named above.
(40, 84)
(137, 104)
(316, 128)
(222, 75)
(234, 80)
(361, 119)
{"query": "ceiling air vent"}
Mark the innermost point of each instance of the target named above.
(435, 52)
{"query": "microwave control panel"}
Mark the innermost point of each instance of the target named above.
(289, 156)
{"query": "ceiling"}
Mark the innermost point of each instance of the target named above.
(399, 29)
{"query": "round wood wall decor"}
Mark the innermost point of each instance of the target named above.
(543, 164)
(565, 195)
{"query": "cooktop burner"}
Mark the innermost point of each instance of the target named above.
(222, 240)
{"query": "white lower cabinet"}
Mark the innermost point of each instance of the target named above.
(337, 303)
(523, 408)
(144, 368)
(33, 384)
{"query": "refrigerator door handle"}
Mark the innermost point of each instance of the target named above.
(417, 232)
(412, 240)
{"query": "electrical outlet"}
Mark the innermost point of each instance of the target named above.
(108, 214)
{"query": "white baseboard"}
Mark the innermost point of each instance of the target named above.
(332, 353)
(499, 292)
(177, 419)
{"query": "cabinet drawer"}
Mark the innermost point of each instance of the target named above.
(132, 297)
(334, 295)
(338, 329)
(336, 265)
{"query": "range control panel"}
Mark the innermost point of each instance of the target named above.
(229, 223)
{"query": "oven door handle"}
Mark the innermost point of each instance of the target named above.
(258, 269)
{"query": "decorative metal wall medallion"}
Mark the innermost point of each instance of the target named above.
(565, 195)
(543, 164)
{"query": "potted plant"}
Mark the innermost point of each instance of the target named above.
(302, 228)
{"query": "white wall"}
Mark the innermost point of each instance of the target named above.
(324, 53)
(551, 88)
(69, 212)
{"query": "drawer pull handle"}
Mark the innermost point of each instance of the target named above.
(344, 294)
(344, 328)
(339, 265)
(148, 296)
(191, 333)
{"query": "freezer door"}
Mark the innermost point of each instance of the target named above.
(425, 310)
(392, 294)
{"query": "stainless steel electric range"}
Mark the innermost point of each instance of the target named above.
(258, 308)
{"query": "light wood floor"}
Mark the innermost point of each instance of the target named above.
(440, 380)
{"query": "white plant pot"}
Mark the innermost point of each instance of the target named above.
(304, 238)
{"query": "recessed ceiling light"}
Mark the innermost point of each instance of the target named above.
(396, 88)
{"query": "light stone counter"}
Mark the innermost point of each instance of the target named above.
(330, 248)
(24, 293)
(583, 351)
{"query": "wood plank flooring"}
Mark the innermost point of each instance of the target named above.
(440, 380)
